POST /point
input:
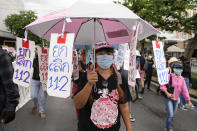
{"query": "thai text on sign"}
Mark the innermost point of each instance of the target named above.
(43, 65)
(160, 62)
(132, 57)
(60, 65)
(24, 62)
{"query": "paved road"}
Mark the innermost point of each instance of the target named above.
(149, 114)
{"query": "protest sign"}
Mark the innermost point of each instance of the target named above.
(160, 62)
(120, 56)
(43, 65)
(132, 58)
(25, 93)
(24, 62)
(25, 96)
(60, 65)
(75, 65)
(126, 60)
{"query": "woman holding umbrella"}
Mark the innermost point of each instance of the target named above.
(99, 97)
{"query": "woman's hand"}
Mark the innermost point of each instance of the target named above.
(92, 77)
(190, 103)
(169, 95)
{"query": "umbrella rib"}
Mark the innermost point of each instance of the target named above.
(80, 28)
(52, 27)
(103, 29)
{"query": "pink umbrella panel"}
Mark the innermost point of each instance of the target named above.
(93, 22)
(112, 31)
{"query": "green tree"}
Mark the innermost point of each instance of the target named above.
(191, 27)
(16, 23)
(166, 15)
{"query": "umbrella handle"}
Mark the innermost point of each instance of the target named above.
(94, 53)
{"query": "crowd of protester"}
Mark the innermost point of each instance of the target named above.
(102, 95)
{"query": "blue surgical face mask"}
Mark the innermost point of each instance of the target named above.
(105, 61)
(178, 71)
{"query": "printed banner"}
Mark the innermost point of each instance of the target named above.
(60, 65)
(120, 56)
(24, 62)
(160, 62)
(132, 58)
(75, 66)
(43, 65)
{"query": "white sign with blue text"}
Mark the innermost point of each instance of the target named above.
(24, 62)
(160, 62)
(120, 56)
(43, 65)
(126, 59)
(60, 65)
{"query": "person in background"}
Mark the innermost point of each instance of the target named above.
(138, 80)
(9, 94)
(171, 99)
(142, 72)
(82, 69)
(149, 70)
(170, 64)
(100, 97)
(124, 75)
(36, 88)
(187, 77)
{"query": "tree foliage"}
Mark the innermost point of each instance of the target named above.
(167, 15)
(16, 23)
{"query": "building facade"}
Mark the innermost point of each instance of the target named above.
(8, 7)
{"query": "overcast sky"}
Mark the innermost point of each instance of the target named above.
(43, 7)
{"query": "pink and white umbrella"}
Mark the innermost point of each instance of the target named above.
(93, 22)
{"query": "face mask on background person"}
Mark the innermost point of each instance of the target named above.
(150, 57)
(178, 71)
(105, 61)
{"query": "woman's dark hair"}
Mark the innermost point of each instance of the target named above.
(105, 49)
(83, 66)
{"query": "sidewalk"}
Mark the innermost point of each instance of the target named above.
(193, 92)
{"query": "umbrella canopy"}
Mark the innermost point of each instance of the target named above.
(93, 22)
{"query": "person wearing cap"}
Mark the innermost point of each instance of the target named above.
(187, 77)
(170, 64)
(171, 99)
(100, 97)
(36, 88)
